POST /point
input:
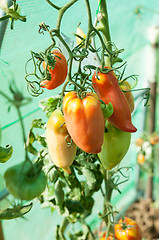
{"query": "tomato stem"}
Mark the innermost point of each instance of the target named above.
(103, 27)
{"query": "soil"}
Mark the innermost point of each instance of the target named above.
(147, 216)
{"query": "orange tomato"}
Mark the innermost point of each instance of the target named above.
(127, 229)
(58, 73)
(140, 158)
(85, 121)
(110, 237)
(139, 142)
(154, 139)
(57, 137)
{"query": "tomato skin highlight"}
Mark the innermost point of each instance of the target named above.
(84, 120)
(115, 146)
(58, 74)
(107, 88)
(61, 154)
(126, 88)
(127, 229)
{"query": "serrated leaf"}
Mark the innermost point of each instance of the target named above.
(50, 104)
(42, 141)
(87, 164)
(90, 178)
(37, 123)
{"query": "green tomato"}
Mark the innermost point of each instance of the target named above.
(25, 181)
(5, 153)
(115, 146)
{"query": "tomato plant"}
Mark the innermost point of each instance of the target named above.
(84, 121)
(88, 130)
(107, 88)
(127, 229)
(58, 72)
(61, 148)
(115, 146)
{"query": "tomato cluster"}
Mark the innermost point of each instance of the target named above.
(82, 123)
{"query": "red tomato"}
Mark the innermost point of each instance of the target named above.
(107, 88)
(127, 229)
(85, 121)
(58, 73)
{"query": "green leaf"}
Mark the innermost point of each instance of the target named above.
(15, 212)
(5, 153)
(53, 174)
(31, 137)
(32, 149)
(50, 104)
(90, 178)
(4, 18)
(42, 141)
(74, 206)
(59, 193)
(38, 123)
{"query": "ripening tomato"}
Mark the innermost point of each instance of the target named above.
(61, 148)
(84, 120)
(126, 88)
(58, 73)
(127, 229)
(139, 142)
(107, 88)
(110, 237)
(154, 139)
(115, 146)
(140, 158)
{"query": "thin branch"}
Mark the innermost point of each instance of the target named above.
(52, 4)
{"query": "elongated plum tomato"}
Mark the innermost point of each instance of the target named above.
(126, 88)
(58, 73)
(127, 229)
(61, 148)
(84, 120)
(107, 88)
(115, 146)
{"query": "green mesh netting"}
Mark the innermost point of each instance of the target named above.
(128, 30)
